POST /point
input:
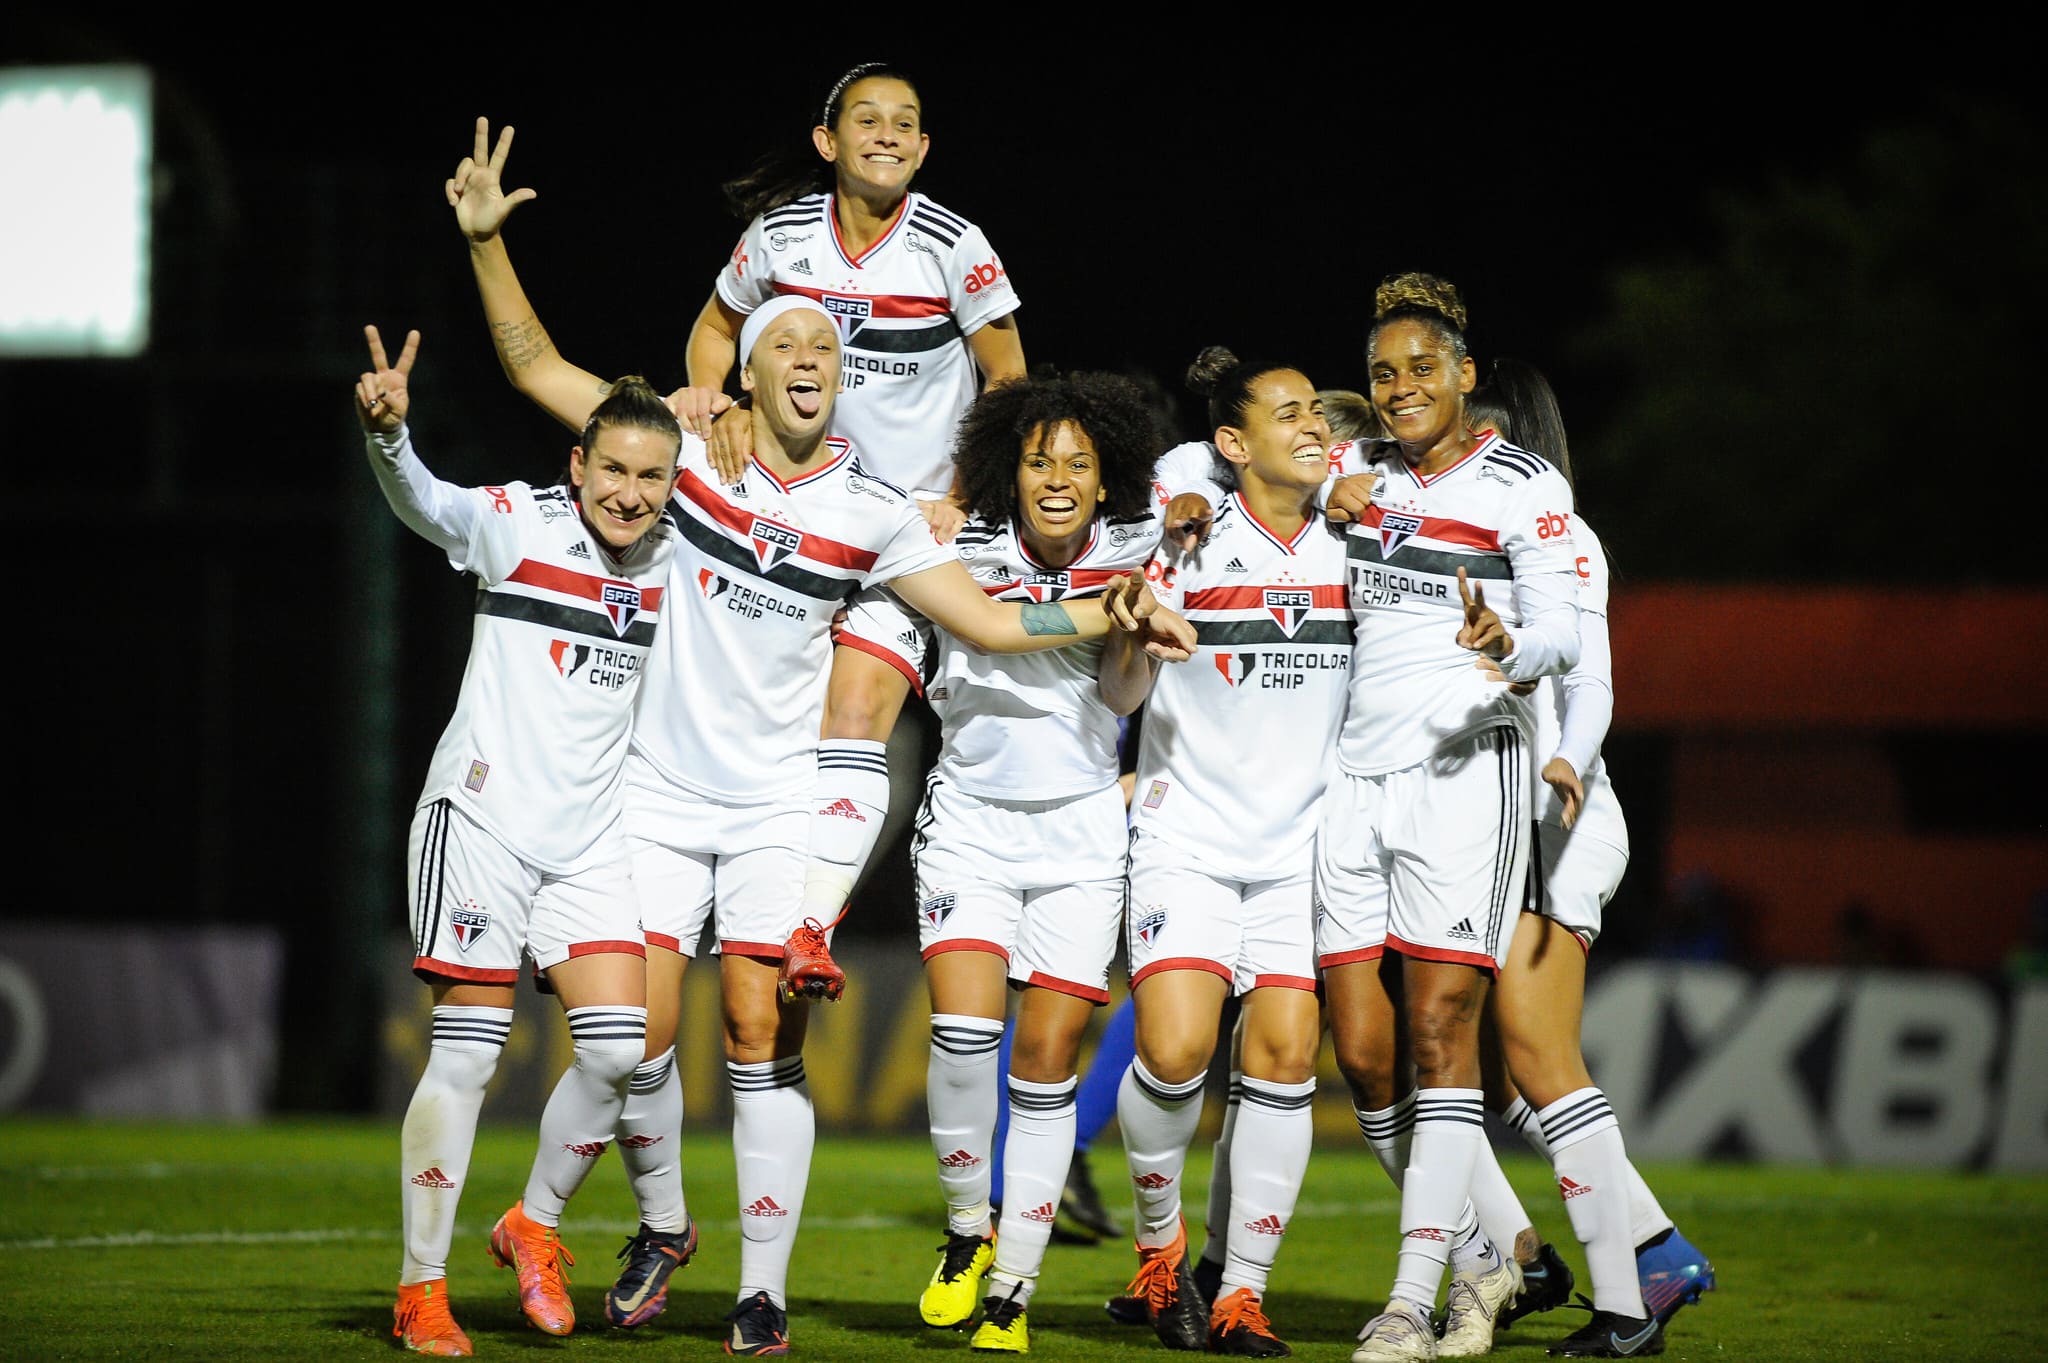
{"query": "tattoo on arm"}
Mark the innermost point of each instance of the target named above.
(1047, 617)
(520, 343)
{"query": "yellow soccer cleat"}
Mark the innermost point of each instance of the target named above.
(1003, 1329)
(955, 1287)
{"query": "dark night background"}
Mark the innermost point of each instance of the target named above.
(1762, 287)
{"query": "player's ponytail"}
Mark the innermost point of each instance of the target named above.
(1227, 382)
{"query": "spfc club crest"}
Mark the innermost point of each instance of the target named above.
(773, 542)
(1042, 587)
(850, 313)
(622, 604)
(1151, 925)
(469, 926)
(1395, 529)
(1290, 606)
(937, 908)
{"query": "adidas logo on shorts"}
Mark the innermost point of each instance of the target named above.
(1463, 931)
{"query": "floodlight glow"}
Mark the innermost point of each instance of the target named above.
(75, 158)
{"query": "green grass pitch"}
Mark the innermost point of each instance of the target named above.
(281, 1242)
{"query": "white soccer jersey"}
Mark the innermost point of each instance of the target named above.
(1196, 466)
(737, 692)
(1502, 514)
(1031, 726)
(1235, 748)
(905, 307)
(536, 748)
(1573, 712)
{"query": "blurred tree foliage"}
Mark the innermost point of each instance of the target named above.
(1847, 346)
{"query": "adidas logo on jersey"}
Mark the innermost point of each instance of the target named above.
(1463, 931)
(1234, 566)
(763, 1206)
(579, 550)
(801, 267)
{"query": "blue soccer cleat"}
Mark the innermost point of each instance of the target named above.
(1673, 1273)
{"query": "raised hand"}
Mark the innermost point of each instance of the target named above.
(1482, 631)
(382, 393)
(1187, 520)
(1559, 776)
(476, 190)
(729, 444)
(694, 409)
(945, 516)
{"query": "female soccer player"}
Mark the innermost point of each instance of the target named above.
(1222, 850)
(517, 845)
(1643, 1270)
(1424, 839)
(928, 318)
(718, 793)
(1020, 842)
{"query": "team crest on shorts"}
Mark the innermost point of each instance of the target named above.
(1289, 606)
(937, 908)
(1155, 795)
(1395, 529)
(622, 603)
(772, 542)
(469, 926)
(1150, 926)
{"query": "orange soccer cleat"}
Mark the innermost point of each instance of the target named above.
(808, 970)
(422, 1321)
(536, 1253)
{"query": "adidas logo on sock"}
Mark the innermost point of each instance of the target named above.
(639, 1142)
(1463, 931)
(843, 808)
(587, 1149)
(1041, 1213)
(1234, 566)
(1568, 1188)
(433, 1178)
(1268, 1224)
(1151, 1181)
(801, 267)
(960, 1159)
(764, 1206)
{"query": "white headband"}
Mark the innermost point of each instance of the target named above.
(758, 320)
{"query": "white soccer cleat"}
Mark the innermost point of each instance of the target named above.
(1399, 1334)
(1472, 1307)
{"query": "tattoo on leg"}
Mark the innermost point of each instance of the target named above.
(1047, 617)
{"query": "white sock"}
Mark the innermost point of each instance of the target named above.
(650, 1142)
(960, 1100)
(1158, 1121)
(1387, 1132)
(1036, 1156)
(1647, 1218)
(1449, 1128)
(1275, 1128)
(848, 804)
(1216, 1218)
(582, 1114)
(773, 1131)
(440, 1132)
(1501, 1214)
(1592, 1177)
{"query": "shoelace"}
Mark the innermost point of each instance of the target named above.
(960, 1251)
(1240, 1310)
(1158, 1277)
(429, 1311)
(555, 1260)
(648, 1248)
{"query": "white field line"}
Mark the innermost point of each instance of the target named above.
(147, 1239)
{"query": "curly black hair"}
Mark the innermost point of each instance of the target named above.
(1119, 420)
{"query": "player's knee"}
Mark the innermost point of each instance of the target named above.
(610, 1060)
(863, 703)
(462, 1067)
(1175, 1060)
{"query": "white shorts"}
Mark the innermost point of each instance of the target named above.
(883, 627)
(1184, 915)
(1574, 878)
(1038, 882)
(477, 906)
(695, 861)
(1430, 860)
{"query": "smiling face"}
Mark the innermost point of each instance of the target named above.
(1283, 440)
(1059, 485)
(793, 374)
(622, 481)
(1418, 387)
(879, 142)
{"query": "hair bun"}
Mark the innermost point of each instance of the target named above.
(1209, 369)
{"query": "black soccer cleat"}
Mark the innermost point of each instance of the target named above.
(1546, 1285)
(1608, 1335)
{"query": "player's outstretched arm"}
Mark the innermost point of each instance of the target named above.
(564, 391)
(438, 512)
(950, 597)
(383, 393)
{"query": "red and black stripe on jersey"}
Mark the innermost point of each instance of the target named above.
(724, 532)
(594, 621)
(1204, 610)
(1490, 562)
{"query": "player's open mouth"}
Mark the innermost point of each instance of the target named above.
(807, 397)
(1311, 454)
(882, 158)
